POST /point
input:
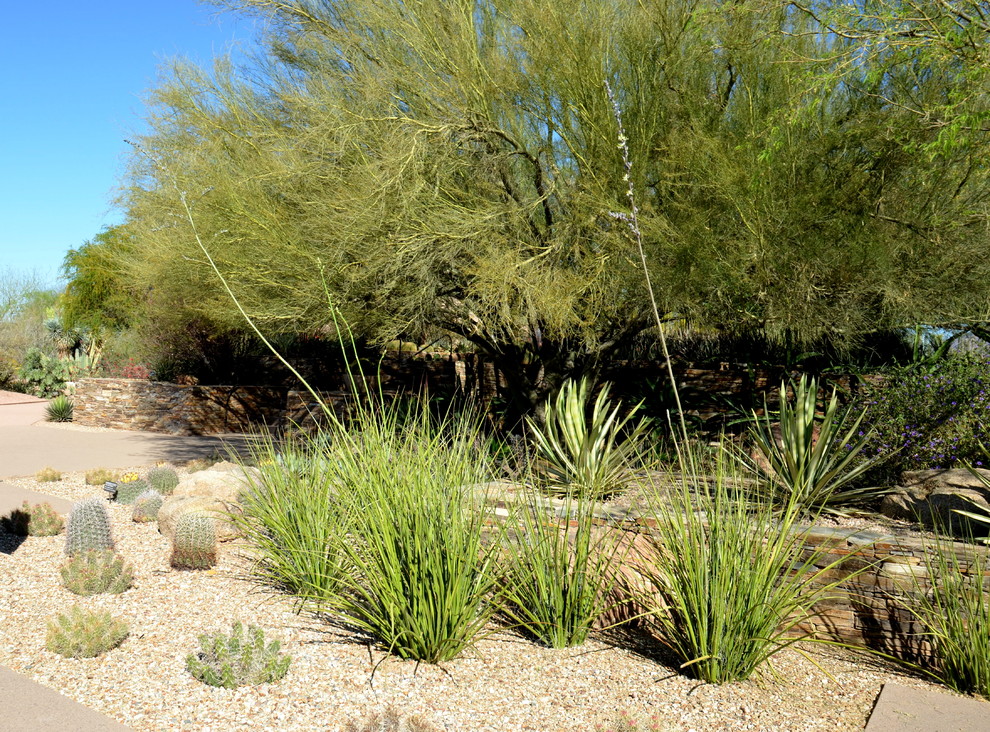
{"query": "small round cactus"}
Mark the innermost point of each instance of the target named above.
(80, 633)
(163, 479)
(96, 572)
(194, 545)
(88, 527)
(146, 506)
(128, 492)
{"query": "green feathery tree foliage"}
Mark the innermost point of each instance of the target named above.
(98, 295)
(453, 166)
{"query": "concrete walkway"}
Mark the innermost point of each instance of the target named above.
(901, 709)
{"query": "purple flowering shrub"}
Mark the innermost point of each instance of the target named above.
(933, 418)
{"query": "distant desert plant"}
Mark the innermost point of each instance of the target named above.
(99, 476)
(48, 475)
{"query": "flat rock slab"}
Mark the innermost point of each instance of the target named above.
(902, 709)
(27, 706)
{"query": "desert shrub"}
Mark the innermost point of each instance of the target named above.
(99, 476)
(48, 475)
(38, 520)
(391, 720)
(162, 479)
(96, 572)
(626, 722)
(558, 575)
(929, 418)
(88, 527)
(44, 375)
(590, 453)
(813, 463)
(80, 633)
(127, 492)
(240, 659)
(146, 507)
(194, 545)
(59, 409)
(955, 616)
(731, 577)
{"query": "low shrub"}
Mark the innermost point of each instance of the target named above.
(99, 476)
(933, 417)
(48, 475)
(240, 659)
(59, 409)
(38, 520)
(80, 633)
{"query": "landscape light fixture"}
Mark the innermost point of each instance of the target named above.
(111, 488)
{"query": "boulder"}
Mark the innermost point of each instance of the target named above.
(224, 481)
(176, 506)
(933, 496)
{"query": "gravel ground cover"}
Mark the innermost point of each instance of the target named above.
(506, 683)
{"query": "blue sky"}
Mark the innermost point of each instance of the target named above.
(72, 79)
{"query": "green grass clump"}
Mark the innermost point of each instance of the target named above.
(59, 409)
(558, 578)
(240, 659)
(99, 476)
(96, 572)
(162, 479)
(401, 555)
(48, 475)
(38, 520)
(731, 580)
(80, 633)
(955, 616)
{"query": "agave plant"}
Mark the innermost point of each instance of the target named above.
(59, 409)
(587, 453)
(812, 462)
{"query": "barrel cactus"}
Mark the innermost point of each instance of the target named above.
(163, 479)
(146, 506)
(88, 527)
(38, 520)
(128, 492)
(194, 545)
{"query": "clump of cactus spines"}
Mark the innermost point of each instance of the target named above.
(88, 527)
(96, 572)
(39, 520)
(240, 659)
(146, 506)
(80, 633)
(128, 492)
(194, 545)
(163, 479)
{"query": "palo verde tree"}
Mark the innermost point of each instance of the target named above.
(453, 166)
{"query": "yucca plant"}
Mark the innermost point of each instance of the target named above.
(559, 571)
(59, 409)
(589, 453)
(733, 578)
(812, 462)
